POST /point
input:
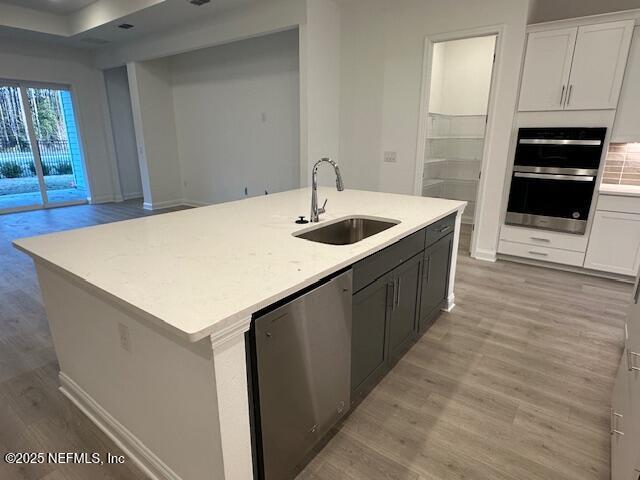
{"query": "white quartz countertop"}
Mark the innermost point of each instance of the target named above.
(620, 190)
(201, 271)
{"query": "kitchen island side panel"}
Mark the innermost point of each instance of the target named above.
(136, 375)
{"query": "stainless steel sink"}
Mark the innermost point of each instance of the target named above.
(347, 231)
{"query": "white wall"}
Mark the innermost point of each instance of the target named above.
(461, 76)
(320, 91)
(381, 72)
(124, 137)
(34, 61)
(153, 118)
(237, 118)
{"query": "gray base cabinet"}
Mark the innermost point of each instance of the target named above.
(399, 292)
(435, 280)
(369, 333)
(404, 307)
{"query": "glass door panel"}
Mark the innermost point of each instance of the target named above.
(56, 134)
(19, 182)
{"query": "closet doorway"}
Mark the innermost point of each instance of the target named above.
(452, 145)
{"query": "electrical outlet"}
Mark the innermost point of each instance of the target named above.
(390, 157)
(125, 337)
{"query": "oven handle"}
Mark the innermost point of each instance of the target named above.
(546, 141)
(556, 170)
(549, 176)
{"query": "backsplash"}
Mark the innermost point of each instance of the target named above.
(622, 166)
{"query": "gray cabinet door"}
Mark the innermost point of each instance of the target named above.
(369, 333)
(435, 279)
(404, 306)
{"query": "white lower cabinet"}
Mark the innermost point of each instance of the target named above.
(614, 244)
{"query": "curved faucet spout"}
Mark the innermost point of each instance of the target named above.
(315, 210)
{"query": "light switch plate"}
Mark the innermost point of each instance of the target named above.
(390, 157)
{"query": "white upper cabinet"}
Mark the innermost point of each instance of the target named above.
(547, 66)
(599, 61)
(627, 125)
(577, 68)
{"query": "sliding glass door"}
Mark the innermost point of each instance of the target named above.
(19, 183)
(41, 161)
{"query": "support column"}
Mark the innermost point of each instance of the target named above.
(229, 360)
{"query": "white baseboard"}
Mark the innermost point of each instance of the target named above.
(174, 203)
(485, 255)
(144, 458)
(568, 268)
(104, 199)
(161, 205)
(195, 203)
(450, 303)
(131, 196)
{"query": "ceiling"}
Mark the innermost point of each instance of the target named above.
(161, 17)
(52, 6)
(148, 17)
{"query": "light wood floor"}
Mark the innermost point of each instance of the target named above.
(513, 384)
(34, 415)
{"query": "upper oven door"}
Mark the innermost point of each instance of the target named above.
(573, 151)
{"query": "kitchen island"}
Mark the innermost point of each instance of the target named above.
(149, 316)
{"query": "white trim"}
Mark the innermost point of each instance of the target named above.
(499, 32)
(485, 255)
(450, 303)
(171, 203)
(195, 203)
(131, 196)
(101, 199)
(144, 458)
(230, 363)
(229, 332)
(161, 205)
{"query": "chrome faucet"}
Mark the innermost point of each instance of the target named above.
(315, 211)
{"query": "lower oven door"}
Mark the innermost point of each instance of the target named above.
(552, 202)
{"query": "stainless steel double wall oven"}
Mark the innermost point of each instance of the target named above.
(554, 177)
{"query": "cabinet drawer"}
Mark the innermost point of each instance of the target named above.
(546, 254)
(439, 229)
(544, 238)
(618, 203)
(374, 266)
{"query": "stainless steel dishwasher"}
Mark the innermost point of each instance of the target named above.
(303, 362)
